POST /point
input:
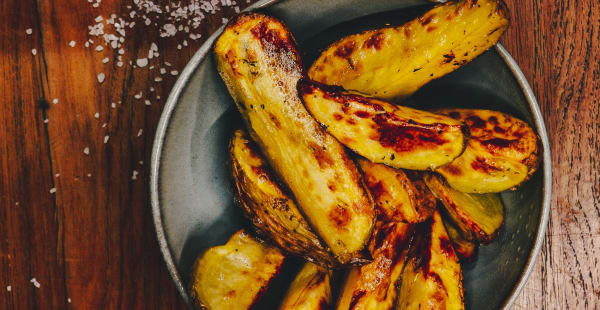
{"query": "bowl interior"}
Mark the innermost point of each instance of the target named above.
(196, 201)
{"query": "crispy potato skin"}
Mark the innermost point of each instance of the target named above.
(271, 210)
(397, 197)
(481, 215)
(397, 136)
(310, 290)
(234, 275)
(373, 286)
(501, 154)
(258, 60)
(394, 62)
(432, 277)
(465, 248)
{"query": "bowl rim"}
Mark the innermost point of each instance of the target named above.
(204, 51)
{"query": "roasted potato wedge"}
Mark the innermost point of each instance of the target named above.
(269, 207)
(394, 62)
(501, 154)
(234, 275)
(397, 136)
(465, 247)
(432, 277)
(479, 214)
(310, 290)
(373, 286)
(258, 60)
(396, 196)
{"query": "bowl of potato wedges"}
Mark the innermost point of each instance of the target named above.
(352, 154)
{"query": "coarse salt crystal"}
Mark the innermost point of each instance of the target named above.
(9, 288)
(113, 105)
(142, 62)
(106, 139)
(28, 31)
(174, 72)
(97, 115)
(57, 175)
(120, 64)
(138, 95)
(98, 19)
(157, 79)
(140, 132)
(87, 44)
(34, 52)
(147, 102)
(72, 43)
(134, 175)
(163, 70)
(35, 282)
(141, 162)
(105, 60)
(46, 121)
(53, 190)
(99, 48)
(86, 151)
(55, 101)
(69, 300)
(101, 77)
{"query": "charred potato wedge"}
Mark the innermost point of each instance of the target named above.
(397, 136)
(258, 60)
(479, 214)
(271, 210)
(396, 196)
(394, 62)
(501, 154)
(465, 248)
(432, 277)
(373, 286)
(310, 290)
(234, 275)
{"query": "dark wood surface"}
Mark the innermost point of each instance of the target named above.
(91, 244)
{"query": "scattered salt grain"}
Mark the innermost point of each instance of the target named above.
(134, 175)
(174, 72)
(57, 175)
(72, 43)
(46, 121)
(157, 79)
(99, 48)
(101, 77)
(34, 52)
(120, 64)
(178, 46)
(97, 115)
(147, 102)
(141, 162)
(104, 125)
(113, 105)
(9, 288)
(163, 70)
(28, 31)
(53, 190)
(138, 95)
(87, 44)
(98, 19)
(35, 282)
(106, 139)
(89, 175)
(141, 62)
(55, 101)
(105, 60)
(86, 151)
(140, 132)
(69, 300)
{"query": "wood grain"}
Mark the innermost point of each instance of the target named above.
(92, 242)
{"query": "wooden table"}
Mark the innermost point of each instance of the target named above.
(74, 207)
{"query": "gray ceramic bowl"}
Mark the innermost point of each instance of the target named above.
(192, 203)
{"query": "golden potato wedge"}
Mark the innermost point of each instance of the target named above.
(396, 196)
(465, 248)
(501, 154)
(271, 210)
(373, 286)
(310, 290)
(397, 136)
(432, 277)
(479, 214)
(258, 60)
(394, 62)
(234, 275)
